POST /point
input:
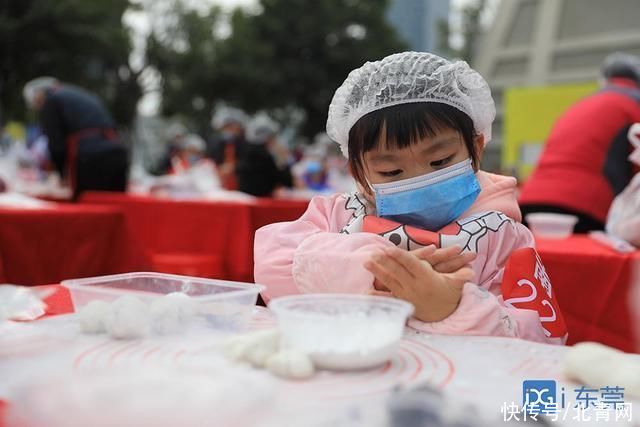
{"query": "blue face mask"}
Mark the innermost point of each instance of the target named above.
(429, 201)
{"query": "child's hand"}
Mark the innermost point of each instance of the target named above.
(443, 260)
(446, 260)
(434, 294)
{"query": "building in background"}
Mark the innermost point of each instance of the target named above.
(533, 44)
(417, 22)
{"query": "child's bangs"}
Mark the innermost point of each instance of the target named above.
(402, 125)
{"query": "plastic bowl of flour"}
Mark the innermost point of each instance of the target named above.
(214, 304)
(341, 331)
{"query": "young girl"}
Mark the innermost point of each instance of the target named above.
(413, 127)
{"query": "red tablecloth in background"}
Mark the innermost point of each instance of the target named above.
(592, 284)
(39, 246)
(202, 238)
(268, 211)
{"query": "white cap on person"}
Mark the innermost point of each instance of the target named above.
(261, 128)
(193, 142)
(409, 77)
(226, 115)
(35, 86)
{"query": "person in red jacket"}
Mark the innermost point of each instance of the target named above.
(584, 162)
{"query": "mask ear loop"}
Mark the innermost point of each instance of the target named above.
(634, 137)
(370, 196)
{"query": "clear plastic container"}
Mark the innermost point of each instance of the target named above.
(342, 331)
(551, 225)
(220, 305)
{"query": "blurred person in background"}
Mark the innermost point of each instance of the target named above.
(189, 152)
(257, 171)
(175, 134)
(229, 144)
(315, 177)
(584, 163)
(310, 172)
(338, 177)
(82, 139)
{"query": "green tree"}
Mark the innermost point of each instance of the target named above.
(184, 52)
(77, 41)
(291, 55)
(295, 53)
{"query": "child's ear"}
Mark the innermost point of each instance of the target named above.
(479, 143)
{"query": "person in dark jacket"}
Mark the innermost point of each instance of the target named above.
(228, 144)
(83, 143)
(256, 170)
(584, 163)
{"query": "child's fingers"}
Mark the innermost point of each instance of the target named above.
(411, 263)
(378, 285)
(381, 293)
(456, 263)
(424, 252)
(462, 276)
(397, 269)
(384, 276)
(442, 254)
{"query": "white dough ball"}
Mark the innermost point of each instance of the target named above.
(263, 344)
(93, 317)
(185, 302)
(598, 365)
(254, 348)
(234, 348)
(290, 364)
(171, 313)
(129, 318)
(258, 353)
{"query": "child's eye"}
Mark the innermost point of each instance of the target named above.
(391, 173)
(441, 162)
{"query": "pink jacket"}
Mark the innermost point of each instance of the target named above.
(325, 249)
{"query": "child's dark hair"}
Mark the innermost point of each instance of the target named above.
(406, 124)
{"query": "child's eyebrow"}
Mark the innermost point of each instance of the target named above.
(432, 148)
(388, 157)
(440, 144)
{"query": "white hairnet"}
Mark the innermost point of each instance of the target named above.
(405, 78)
(260, 128)
(35, 86)
(226, 115)
(193, 142)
